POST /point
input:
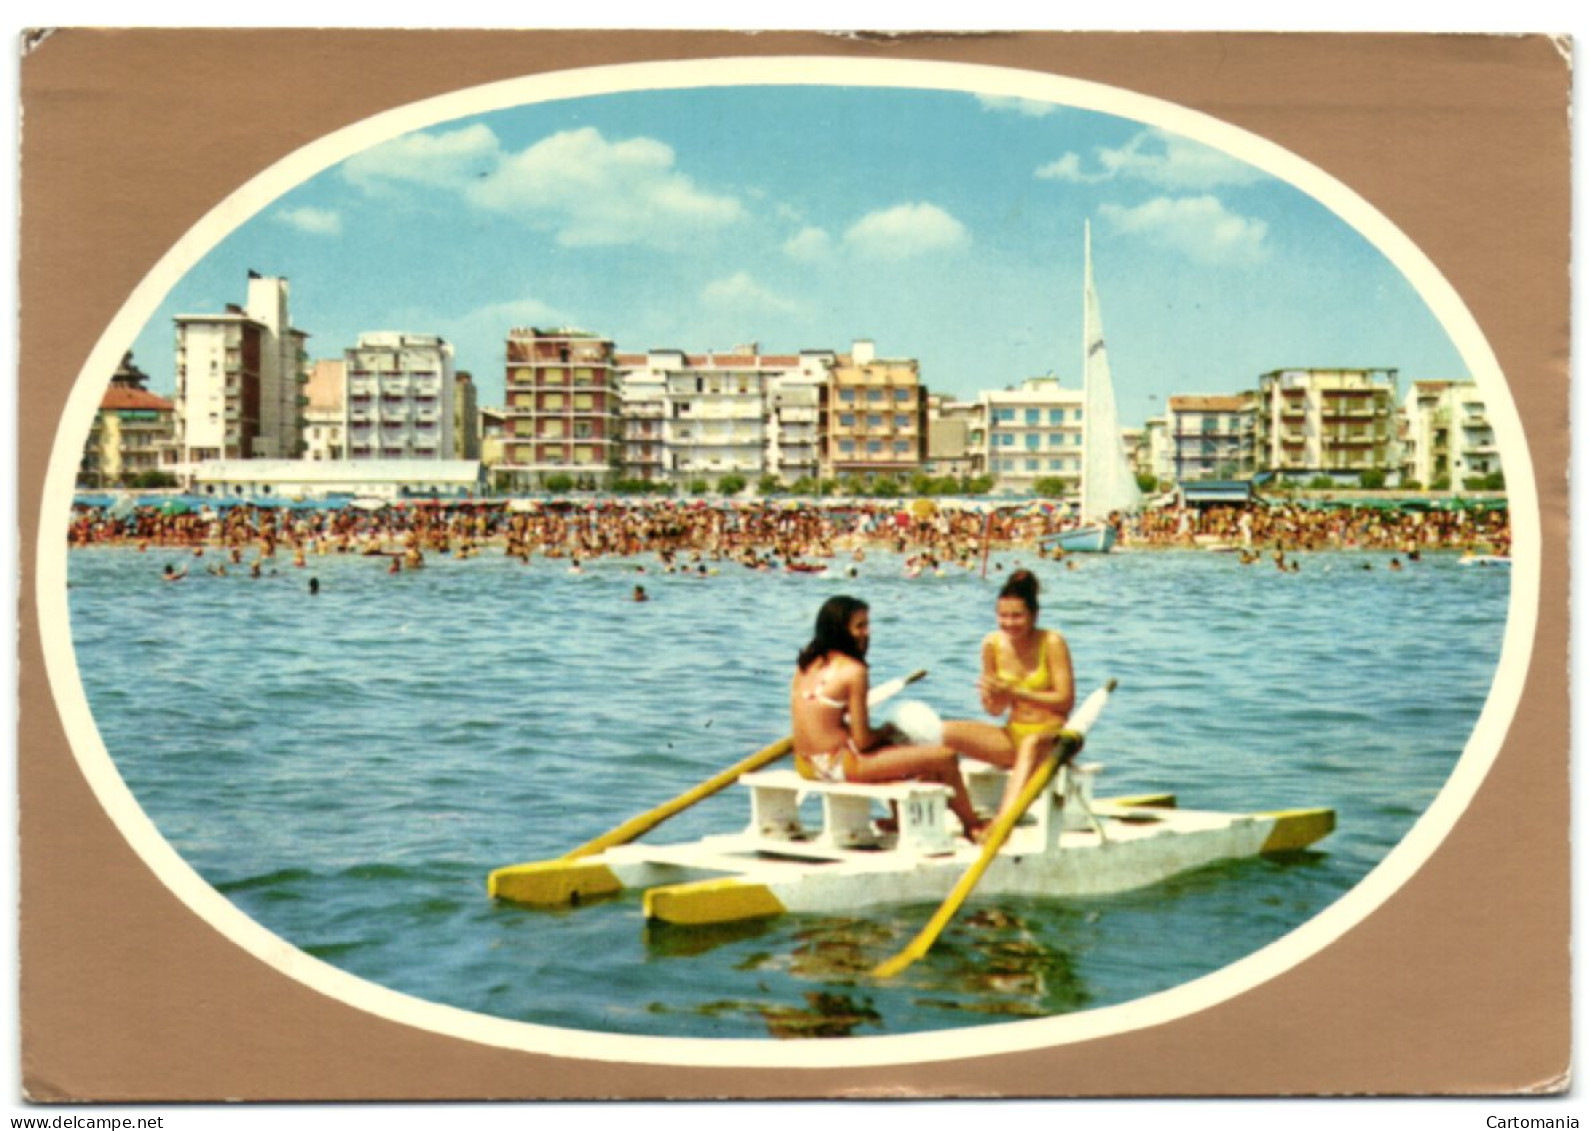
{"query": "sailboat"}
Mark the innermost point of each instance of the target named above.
(1108, 485)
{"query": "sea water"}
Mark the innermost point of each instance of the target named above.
(346, 768)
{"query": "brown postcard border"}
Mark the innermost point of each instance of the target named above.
(1458, 984)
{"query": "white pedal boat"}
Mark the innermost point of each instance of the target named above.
(1069, 844)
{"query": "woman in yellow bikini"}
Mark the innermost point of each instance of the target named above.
(1027, 672)
(834, 740)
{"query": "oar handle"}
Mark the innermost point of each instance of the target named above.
(636, 827)
(1066, 747)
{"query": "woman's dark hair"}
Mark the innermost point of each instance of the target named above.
(832, 633)
(1023, 586)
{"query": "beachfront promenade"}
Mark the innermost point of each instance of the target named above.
(784, 530)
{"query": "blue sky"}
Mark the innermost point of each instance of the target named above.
(941, 225)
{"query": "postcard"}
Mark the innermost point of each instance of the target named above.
(596, 565)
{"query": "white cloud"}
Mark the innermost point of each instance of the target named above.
(809, 245)
(1027, 106)
(1197, 226)
(1162, 159)
(446, 160)
(1067, 168)
(491, 323)
(595, 192)
(314, 221)
(906, 230)
(741, 292)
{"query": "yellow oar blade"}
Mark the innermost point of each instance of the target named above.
(1066, 748)
(997, 836)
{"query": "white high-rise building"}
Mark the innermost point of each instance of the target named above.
(399, 402)
(239, 378)
(698, 417)
(1034, 432)
(1448, 438)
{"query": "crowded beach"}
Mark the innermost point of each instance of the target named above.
(767, 534)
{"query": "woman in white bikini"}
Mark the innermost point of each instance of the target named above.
(828, 704)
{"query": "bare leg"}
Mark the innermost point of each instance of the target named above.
(920, 763)
(983, 741)
(1032, 748)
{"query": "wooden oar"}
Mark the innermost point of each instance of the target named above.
(639, 826)
(1066, 747)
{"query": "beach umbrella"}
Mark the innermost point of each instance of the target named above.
(924, 507)
(174, 506)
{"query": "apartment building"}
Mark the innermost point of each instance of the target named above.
(1447, 435)
(133, 433)
(643, 394)
(562, 416)
(1153, 454)
(1034, 432)
(877, 415)
(1335, 422)
(957, 431)
(691, 418)
(797, 405)
(325, 414)
(1211, 437)
(399, 399)
(239, 379)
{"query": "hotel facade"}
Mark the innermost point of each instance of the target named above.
(1331, 422)
(562, 416)
(399, 402)
(239, 379)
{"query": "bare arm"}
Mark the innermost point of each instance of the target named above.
(856, 685)
(994, 691)
(1060, 695)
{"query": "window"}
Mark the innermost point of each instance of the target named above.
(901, 420)
(874, 446)
(847, 446)
(1032, 416)
(1057, 416)
(847, 420)
(1033, 440)
(1032, 465)
(874, 420)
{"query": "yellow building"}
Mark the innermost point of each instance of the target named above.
(133, 433)
(1335, 422)
(876, 416)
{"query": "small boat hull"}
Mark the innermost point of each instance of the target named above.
(1123, 844)
(1095, 539)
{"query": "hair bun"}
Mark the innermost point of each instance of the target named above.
(1023, 585)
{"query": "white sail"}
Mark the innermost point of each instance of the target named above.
(1107, 481)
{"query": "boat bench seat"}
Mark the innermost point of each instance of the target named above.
(1072, 789)
(847, 812)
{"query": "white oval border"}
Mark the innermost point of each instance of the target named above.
(1299, 944)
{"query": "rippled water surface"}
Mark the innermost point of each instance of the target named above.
(347, 768)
